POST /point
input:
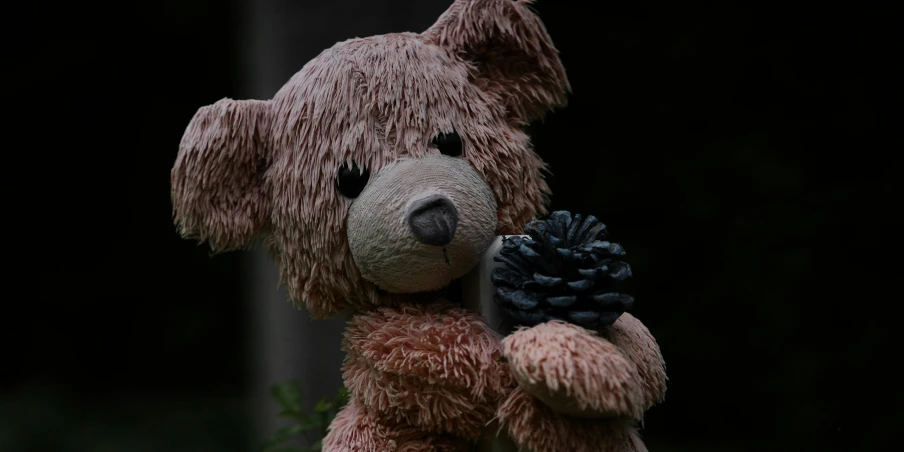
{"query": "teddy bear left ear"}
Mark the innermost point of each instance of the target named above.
(217, 183)
(511, 51)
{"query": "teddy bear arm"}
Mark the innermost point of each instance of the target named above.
(636, 343)
(535, 426)
(574, 371)
(356, 429)
(436, 368)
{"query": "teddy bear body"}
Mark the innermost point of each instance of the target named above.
(377, 176)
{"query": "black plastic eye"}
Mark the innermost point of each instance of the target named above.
(448, 143)
(351, 181)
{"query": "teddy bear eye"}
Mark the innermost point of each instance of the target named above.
(448, 143)
(351, 181)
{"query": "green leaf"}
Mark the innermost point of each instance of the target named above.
(308, 425)
(323, 405)
(280, 436)
(288, 395)
(306, 421)
(316, 447)
(342, 394)
(292, 414)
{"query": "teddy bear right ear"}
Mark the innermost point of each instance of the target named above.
(510, 50)
(218, 189)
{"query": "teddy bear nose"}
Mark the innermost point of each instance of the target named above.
(433, 220)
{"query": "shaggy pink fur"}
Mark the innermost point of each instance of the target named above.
(512, 56)
(217, 181)
(249, 168)
(579, 391)
(435, 367)
(575, 371)
(423, 375)
(355, 430)
(536, 426)
(636, 343)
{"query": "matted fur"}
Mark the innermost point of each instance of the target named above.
(391, 95)
(574, 371)
(421, 378)
(355, 429)
(507, 54)
(436, 366)
(218, 188)
(637, 344)
(536, 426)
(372, 101)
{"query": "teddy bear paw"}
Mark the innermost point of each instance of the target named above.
(534, 426)
(574, 371)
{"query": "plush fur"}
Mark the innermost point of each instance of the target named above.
(436, 367)
(537, 427)
(423, 373)
(576, 373)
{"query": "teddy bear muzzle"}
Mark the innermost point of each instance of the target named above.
(421, 223)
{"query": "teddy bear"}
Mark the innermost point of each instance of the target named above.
(376, 177)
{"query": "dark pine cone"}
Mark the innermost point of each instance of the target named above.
(566, 270)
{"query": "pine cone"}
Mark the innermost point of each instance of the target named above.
(565, 270)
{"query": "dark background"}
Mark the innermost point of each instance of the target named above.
(741, 154)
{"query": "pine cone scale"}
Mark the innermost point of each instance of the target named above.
(547, 281)
(565, 269)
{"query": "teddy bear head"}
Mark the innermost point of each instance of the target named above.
(386, 165)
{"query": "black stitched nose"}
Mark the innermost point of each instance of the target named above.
(433, 220)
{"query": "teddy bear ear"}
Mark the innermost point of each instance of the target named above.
(511, 51)
(217, 183)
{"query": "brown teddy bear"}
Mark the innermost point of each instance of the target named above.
(378, 176)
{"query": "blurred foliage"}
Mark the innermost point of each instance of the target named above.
(307, 430)
(40, 419)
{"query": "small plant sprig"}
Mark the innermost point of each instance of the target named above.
(307, 428)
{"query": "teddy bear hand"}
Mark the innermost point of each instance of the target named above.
(534, 426)
(574, 371)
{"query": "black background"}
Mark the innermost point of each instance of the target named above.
(741, 154)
